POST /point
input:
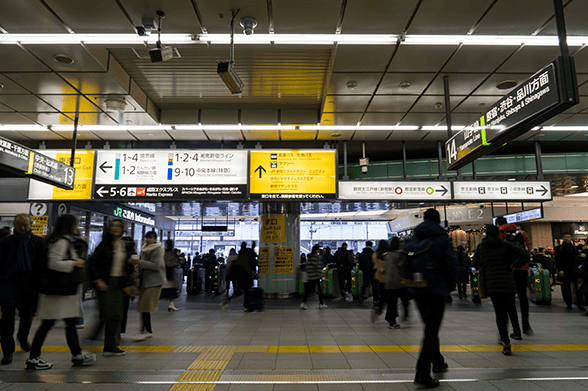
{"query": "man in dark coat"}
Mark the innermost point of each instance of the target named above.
(495, 259)
(366, 266)
(21, 255)
(344, 261)
(431, 300)
(565, 258)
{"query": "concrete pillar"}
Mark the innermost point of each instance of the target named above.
(279, 249)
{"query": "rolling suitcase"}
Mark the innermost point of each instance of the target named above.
(546, 286)
(254, 299)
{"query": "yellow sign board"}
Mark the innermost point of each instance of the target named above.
(273, 229)
(82, 188)
(39, 225)
(263, 260)
(293, 175)
(283, 260)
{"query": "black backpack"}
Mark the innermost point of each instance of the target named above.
(419, 267)
(516, 239)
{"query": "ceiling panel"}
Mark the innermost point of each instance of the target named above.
(43, 135)
(346, 103)
(11, 135)
(375, 135)
(325, 134)
(42, 83)
(427, 103)
(414, 83)
(94, 83)
(489, 86)
(530, 59)
(49, 118)
(10, 87)
(575, 15)
(408, 135)
(556, 120)
(581, 61)
(362, 58)
(377, 16)
(546, 135)
(365, 83)
(224, 135)
(131, 104)
(319, 16)
(299, 117)
(69, 103)
(298, 134)
(575, 120)
(459, 83)
(20, 60)
(462, 119)
(436, 135)
(420, 58)
(119, 135)
(211, 12)
(348, 119)
(86, 16)
(422, 119)
(211, 117)
(257, 117)
(381, 119)
(27, 17)
(83, 135)
(187, 135)
(180, 16)
(435, 17)
(521, 17)
(25, 103)
(176, 117)
(93, 118)
(478, 58)
(578, 137)
(391, 103)
(136, 119)
(476, 104)
(261, 134)
(5, 109)
(83, 61)
(150, 135)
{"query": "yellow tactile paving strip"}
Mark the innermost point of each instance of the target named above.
(208, 367)
(222, 352)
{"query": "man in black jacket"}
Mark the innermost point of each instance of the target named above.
(366, 266)
(21, 255)
(344, 261)
(565, 257)
(495, 259)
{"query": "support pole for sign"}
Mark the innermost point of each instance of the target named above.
(538, 161)
(404, 176)
(492, 208)
(345, 176)
(522, 206)
(474, 176)
(560, 23)
(506, 204)
(448, 115)
(75, 132)
(440, 159)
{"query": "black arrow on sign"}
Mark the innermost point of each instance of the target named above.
(260, 169)
(544, 189)
(444, 190)
(102, 167)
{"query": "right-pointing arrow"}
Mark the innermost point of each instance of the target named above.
(100, 191)
(543, 189)
(443, 189)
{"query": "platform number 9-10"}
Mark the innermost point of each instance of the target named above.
(451, 152)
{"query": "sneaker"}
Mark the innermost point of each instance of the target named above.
(440, 368)
(80, 326)
(349, 297)
(83, 359)
(113, 352)
(516, 335)
(322, 306)
(426, 383)
(394, 326)
(223, 306)
(506, 349)
(143, 335)
(37, 363)
(303, 306)
(527, 330)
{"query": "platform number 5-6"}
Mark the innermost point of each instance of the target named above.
(451, 152)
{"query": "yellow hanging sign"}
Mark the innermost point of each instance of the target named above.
(283, 260)
(263, 260)
(273, 229)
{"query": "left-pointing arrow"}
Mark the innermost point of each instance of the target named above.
(103, 167)
(100, 191)
(443, 189)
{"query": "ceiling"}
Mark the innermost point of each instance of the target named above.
(362, 86)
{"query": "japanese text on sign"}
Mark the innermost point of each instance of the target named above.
(283, 260)
(273, 229)
(263, 260)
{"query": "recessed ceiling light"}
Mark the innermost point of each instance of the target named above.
(405, 84)
(63, 59)
(335, 135)
(438, 105)
(512, 179)
(351, 84)
(1, 85)
(506, 84)
(481, 104)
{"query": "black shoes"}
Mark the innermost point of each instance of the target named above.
(25, 346)
(506, 350)
(426, 383)
(440, 368)
(516, 335)
(7, 359)
(527, 330)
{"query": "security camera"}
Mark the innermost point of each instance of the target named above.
(141, 31)
(364, 163)
(248, 23)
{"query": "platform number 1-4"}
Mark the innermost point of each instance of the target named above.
(451, 152)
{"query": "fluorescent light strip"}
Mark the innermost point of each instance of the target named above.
(290, 39)
(441, 127)
(564, 128)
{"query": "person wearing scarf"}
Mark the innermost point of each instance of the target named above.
(152, 275)
(20, 254)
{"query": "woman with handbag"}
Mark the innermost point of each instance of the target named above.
(152, 276)
(109, 267)
(59, 298)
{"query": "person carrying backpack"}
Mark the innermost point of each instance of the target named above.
(430, 262)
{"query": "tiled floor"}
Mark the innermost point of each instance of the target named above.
(336, 349)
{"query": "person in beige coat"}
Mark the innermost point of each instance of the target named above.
(152, 275)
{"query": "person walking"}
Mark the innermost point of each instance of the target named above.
(430, 300)
(367, 267)
(210, 264)
(565, 259)
(21, 254)
(61, 257)
(152, 276)
(108, 268)
(170, 291)
(314, 272)
(495, 259)
(344, 261)
(464, 271)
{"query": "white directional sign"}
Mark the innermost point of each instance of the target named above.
(171, 174)
(401, 191)
(517, 191)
